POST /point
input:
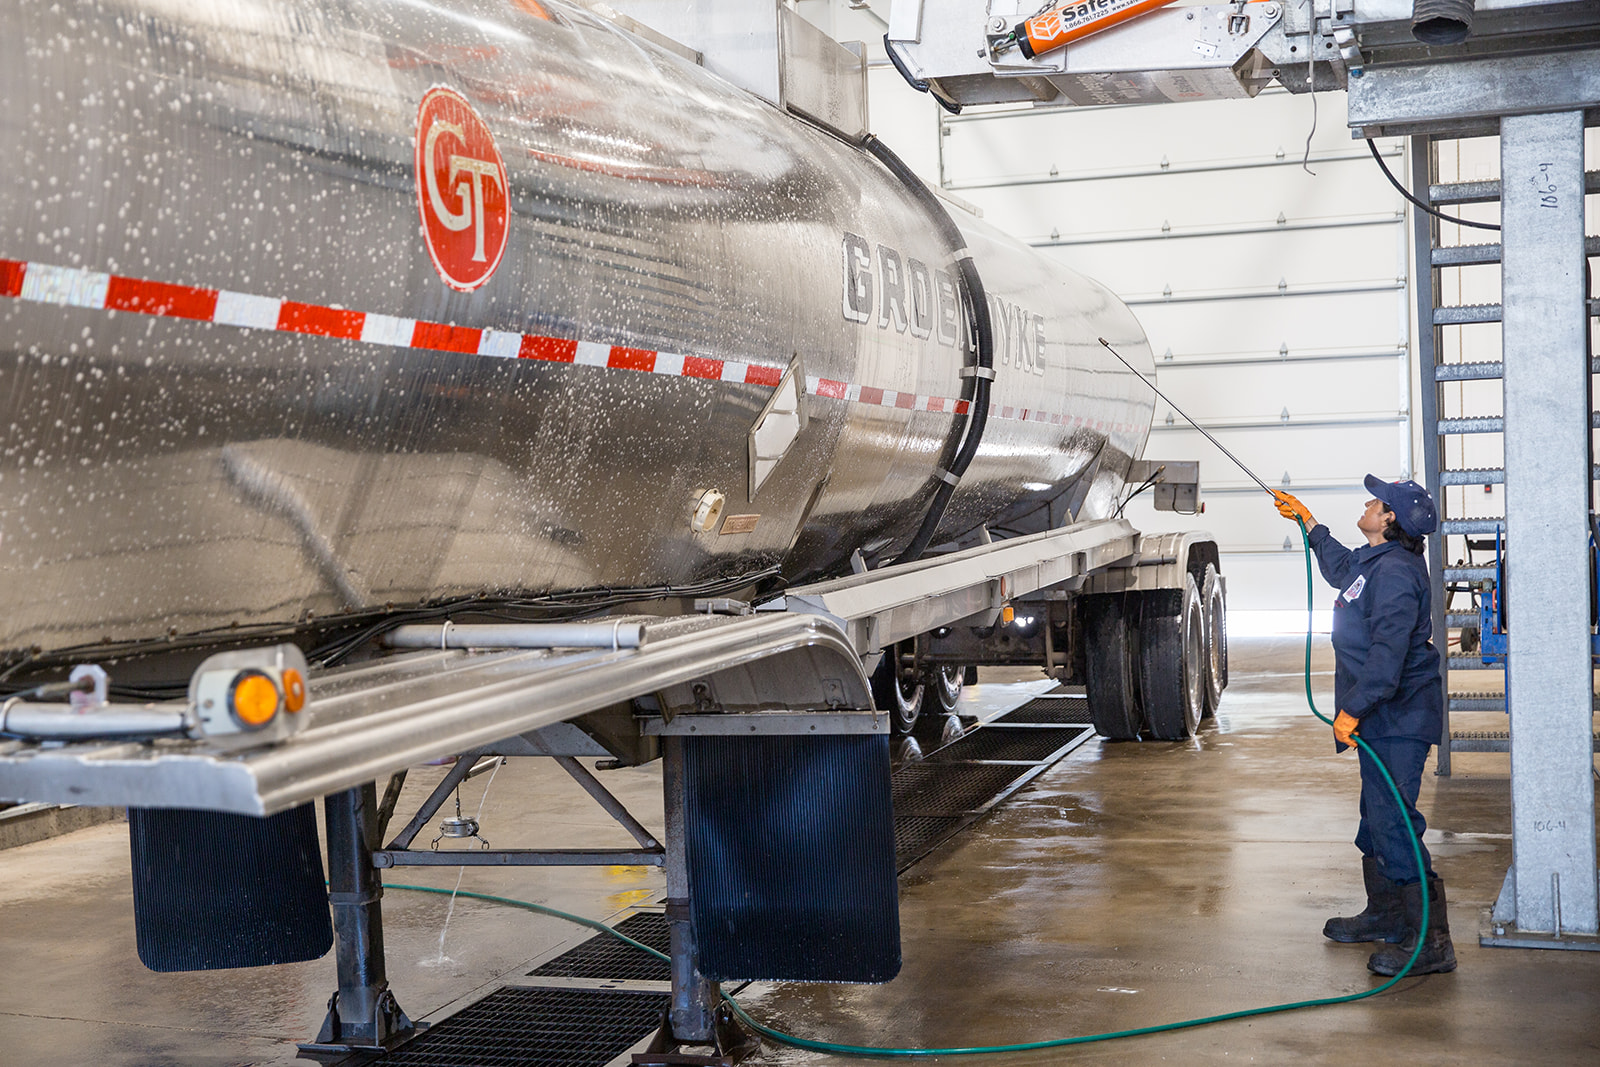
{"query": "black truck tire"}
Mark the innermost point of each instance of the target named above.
(1214, 606)
(1172, 661)
(1109, 623)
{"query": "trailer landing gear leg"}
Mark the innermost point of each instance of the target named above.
(362, 1015)
(695, 1017)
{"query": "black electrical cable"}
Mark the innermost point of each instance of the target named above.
(334, 650)
(1387, 173)
(921, 85)
(976, 301)
(977, 411)
(565, 606)
(1148, 482)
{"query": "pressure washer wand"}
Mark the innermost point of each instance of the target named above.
(1204, 432)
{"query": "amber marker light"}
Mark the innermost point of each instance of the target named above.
(294, 690)
(253, 698)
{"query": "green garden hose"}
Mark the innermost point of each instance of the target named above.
(816, 1045)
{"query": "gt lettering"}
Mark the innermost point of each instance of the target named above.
(471, 206)
(462, 194)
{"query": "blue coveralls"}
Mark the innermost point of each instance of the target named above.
(1387, 675)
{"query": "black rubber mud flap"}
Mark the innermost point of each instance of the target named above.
(212, 890)
(791, 858)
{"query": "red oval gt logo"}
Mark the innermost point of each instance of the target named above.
(461, 190)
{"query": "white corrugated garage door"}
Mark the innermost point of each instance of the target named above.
(1275, 299)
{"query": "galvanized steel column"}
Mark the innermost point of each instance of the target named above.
(1425, 287)
(1547, 531)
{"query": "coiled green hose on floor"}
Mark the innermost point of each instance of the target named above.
(887, 1051)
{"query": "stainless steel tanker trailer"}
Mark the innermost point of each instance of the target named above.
(386, 382)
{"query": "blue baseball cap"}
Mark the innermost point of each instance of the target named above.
(1412, 506)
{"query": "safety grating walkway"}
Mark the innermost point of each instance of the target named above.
(564, 1024)
(950, 788)
(603, 956)
(1013, 744)
(1489, 741)
(955, 785)
(517, 1026)
(1052, 709)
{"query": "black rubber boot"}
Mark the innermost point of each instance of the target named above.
(1385, 917)
(1438, 955)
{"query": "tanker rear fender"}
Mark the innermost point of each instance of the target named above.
(1161, 562)
(792, 673)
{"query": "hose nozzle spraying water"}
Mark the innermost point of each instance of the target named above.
(1204, 432)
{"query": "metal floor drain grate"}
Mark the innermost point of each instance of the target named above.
(520, 1027)
(949, 788)
(914, 835)
(603, 956)
(938, 798)
(1049, 709)
(1030, 744)
(562, 1026)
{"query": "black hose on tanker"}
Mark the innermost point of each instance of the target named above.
(980, 374)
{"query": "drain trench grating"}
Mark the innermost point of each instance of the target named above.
(944, 794)
(1049, 709)
(1030, 745)
(916, 835)
(950, 788)
(603, 956)
(521, 1027)
(561, 1026)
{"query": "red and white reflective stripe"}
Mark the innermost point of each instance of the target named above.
(883, 398)
(74, 287)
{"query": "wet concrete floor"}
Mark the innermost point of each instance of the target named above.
(1132, 884)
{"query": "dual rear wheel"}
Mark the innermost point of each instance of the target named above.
(905, 694)
(1156, 662)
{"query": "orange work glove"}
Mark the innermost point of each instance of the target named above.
(1344, 728)
(1291, 508)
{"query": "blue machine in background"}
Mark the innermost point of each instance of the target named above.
(1492, 613)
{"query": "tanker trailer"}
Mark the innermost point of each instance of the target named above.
(334, 330)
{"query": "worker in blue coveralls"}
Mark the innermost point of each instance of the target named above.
(1386, 686)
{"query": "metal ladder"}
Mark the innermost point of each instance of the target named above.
(1433, 315)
